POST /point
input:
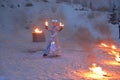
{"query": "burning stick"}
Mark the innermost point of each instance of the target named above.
(61, 26)
(46, 25)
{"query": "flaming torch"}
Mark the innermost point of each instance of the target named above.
(61, 26)
(38, 35)
(46, 25)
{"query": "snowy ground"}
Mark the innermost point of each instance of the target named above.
(21, 59)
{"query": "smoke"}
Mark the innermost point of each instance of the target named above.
(103, 29)
(84, 38)
(86, 41)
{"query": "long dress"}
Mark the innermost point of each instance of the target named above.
(53, 38)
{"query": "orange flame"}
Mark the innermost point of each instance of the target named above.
(104, 45)
(110, 49)
(97, 70)
(46, 23)
(61, 24)
(37, 30)
(113, 47)
(113, 52)
(117, 58)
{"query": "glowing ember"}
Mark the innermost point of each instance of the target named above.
(37, 30)
(61, 24)
(111, 62)
(117, 58)
(114, 52)
(104, 45)
(97, 70)
(46, 23)
(113, 47)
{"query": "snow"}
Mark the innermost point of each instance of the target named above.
(21, 59)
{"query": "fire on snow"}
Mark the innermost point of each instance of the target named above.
(97, 70)
(111, 49)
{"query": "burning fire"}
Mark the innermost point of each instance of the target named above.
(117, 58)
(46, 23)
(104, 45)
(61, 24)
(37, 30)
(97, 70)
(111, 49)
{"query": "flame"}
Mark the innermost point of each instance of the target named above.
(113, 47)
(117, 58)
(110, 49)
(114, 52)
(111, 62)
(97, 70)
(104, 45)
(37, 30)
(46, 23)
(61, 24)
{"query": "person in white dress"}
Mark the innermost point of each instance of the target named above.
(53, 45)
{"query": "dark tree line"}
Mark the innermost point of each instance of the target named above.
(115, 17)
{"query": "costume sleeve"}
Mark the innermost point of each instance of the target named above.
(47, 28)
(53, 35)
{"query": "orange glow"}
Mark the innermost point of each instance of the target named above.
(114, 52)
(37, 30)
(104, 45)
(117, 58)
(113, 47)
(88, 75)
(110, 49)
(111, 62)
(61, 24)
(46, 23)
(97, 70)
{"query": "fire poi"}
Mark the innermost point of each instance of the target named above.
(38, 35)
(53, 45)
